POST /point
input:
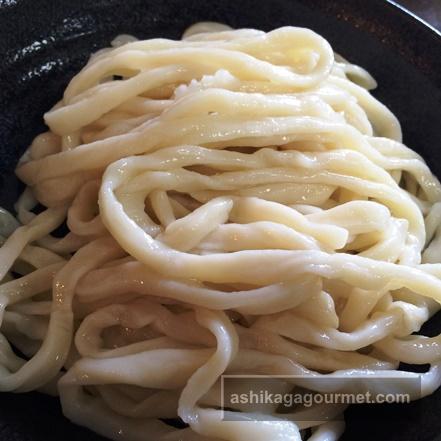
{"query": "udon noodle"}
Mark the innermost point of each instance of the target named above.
(237, 202)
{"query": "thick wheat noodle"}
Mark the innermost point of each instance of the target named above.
(236, 202)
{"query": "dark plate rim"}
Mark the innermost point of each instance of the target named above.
(422, 24)
(398, 29)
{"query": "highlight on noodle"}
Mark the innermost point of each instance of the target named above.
(237, 202)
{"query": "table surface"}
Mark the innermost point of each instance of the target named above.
(428, 10)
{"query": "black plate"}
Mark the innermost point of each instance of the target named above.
(43, 43)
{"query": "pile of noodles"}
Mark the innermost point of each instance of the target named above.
(237, 203)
